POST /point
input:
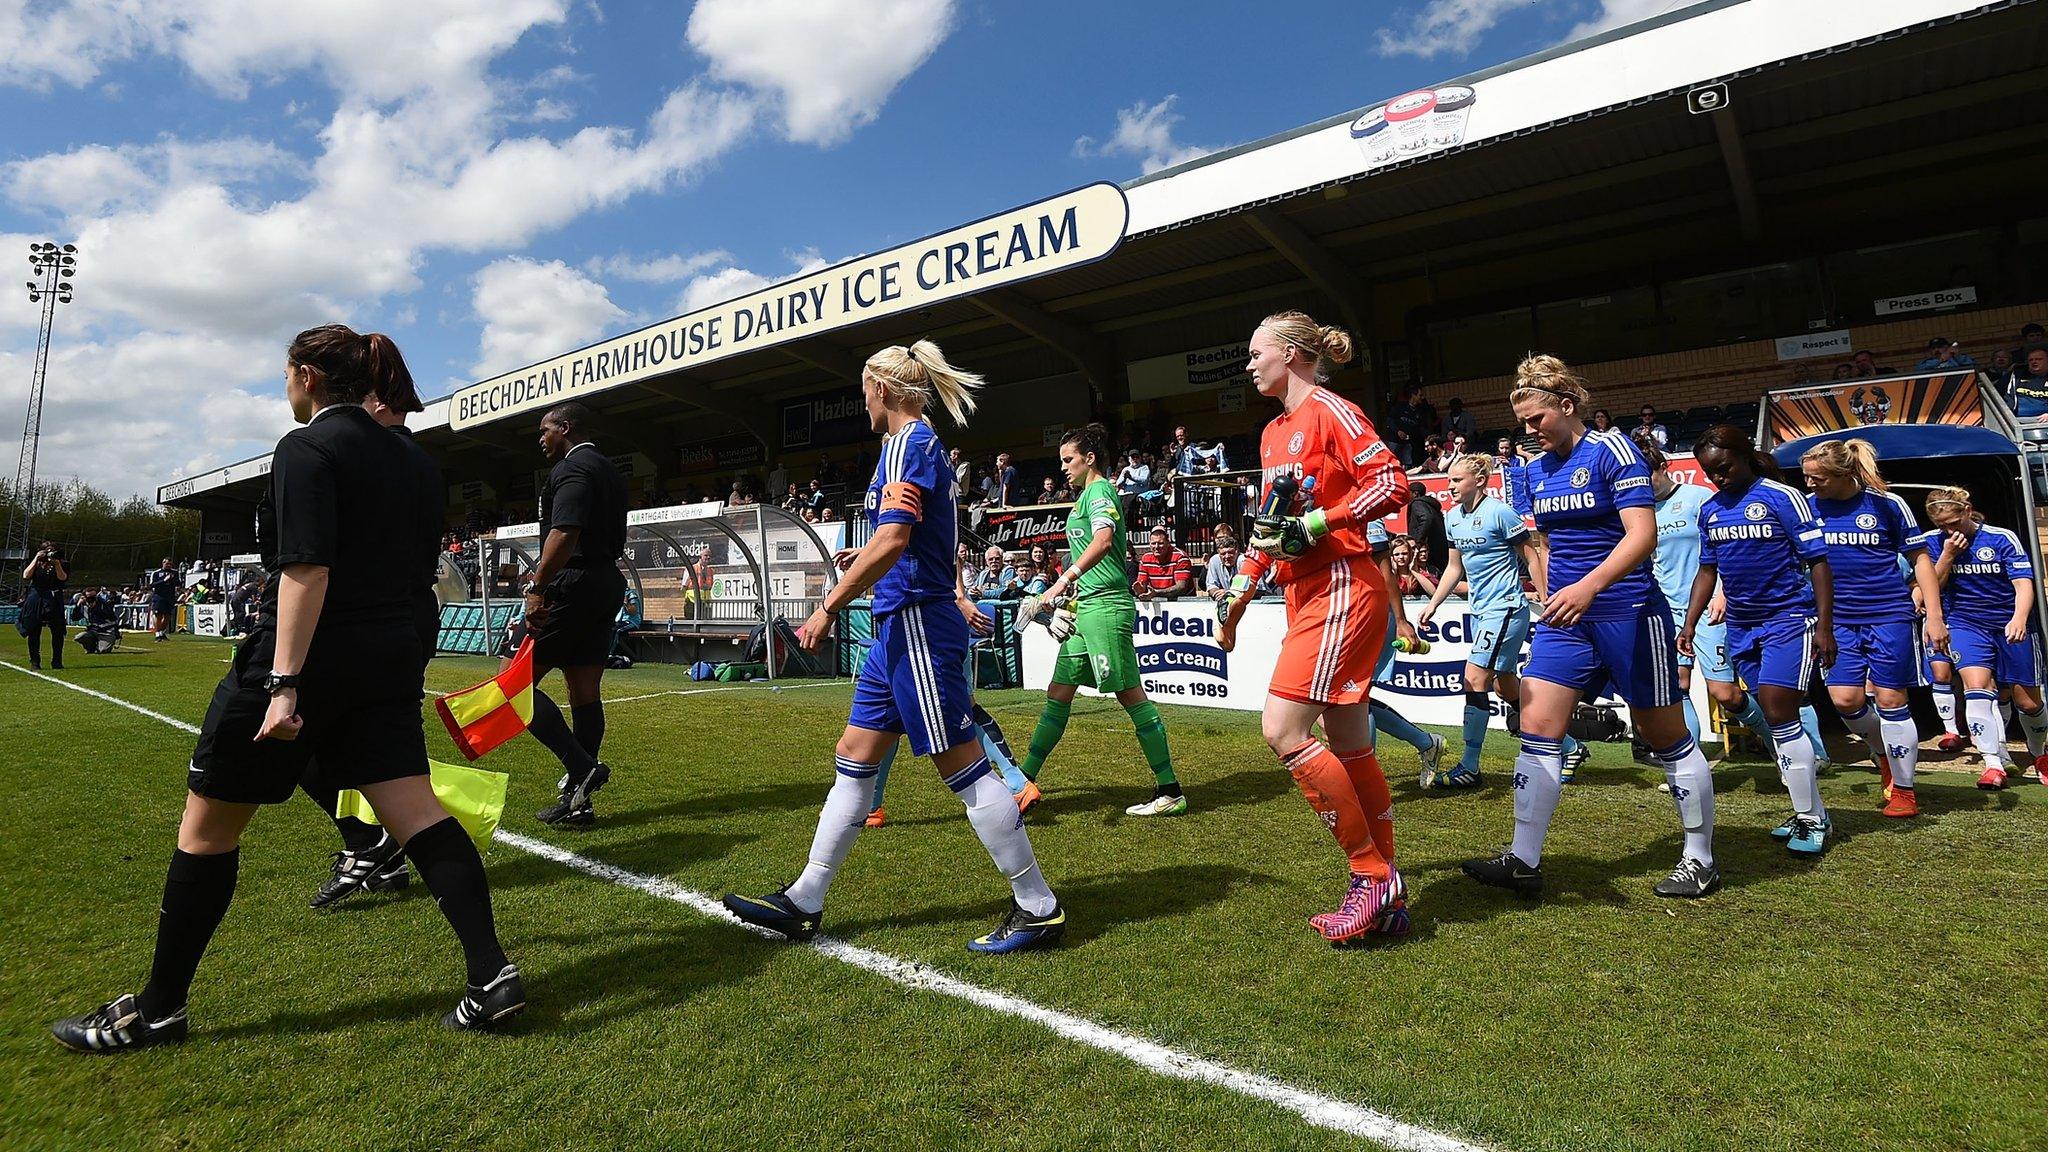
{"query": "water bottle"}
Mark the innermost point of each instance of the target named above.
(1417, 647)
(1280, 496)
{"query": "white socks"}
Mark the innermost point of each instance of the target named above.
(845, 812)
(1945, 706)
(2035, 726)
(1692, 791)
(1987, 727)
(1539, 780)
(1864, 723)
(1796, 767)
(993, 812)
(1901, 743)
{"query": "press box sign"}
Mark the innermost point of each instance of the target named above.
(1925, 301)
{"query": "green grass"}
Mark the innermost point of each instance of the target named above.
(1886, 996)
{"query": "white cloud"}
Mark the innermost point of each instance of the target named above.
(830, 63)
(531, 311)
(656, 269)
(1446, 27)
(1145, 131)
(730, 281)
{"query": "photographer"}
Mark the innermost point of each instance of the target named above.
(42, 607)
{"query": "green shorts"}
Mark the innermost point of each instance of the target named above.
(1102, 653)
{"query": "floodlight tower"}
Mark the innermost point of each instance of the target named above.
(53, 267)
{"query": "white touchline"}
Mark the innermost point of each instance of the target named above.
(1319, 1110)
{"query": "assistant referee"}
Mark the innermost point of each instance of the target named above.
(572, 598)
(331, 673)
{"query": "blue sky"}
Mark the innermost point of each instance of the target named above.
(496, 181)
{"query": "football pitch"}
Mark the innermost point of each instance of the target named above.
(1888, 995)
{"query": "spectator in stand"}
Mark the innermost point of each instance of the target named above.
(1179, 453)
(1031, 580)
(1867, 366)
(1454, 449)
(1133, 480)
(1063, 492)
(963, 472)
(996, 574)
(2026, 389)
(963, 563)
(1602, 422)
(1432, 456)
(1845, 371)
(2030, 335)
(1646, 425)
(828, 472)
(1163, 571)
(1041, 559)
(778, 478)
(1000, 489)
(1945, 355)
(2001, 367)
(827, 514)
(1405, 418)
(1411, 568)
(1458, 422)
(1209, 456)
(1048, 492)
(1426, 522)
(815, 500)
(1222, 568)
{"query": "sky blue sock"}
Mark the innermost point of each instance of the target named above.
(1569, 743)
(1810, 720)
(1012, 778)
(882, 772)
(1476, 717)
(1752, 717)
(1692, 719)
(1397, 726)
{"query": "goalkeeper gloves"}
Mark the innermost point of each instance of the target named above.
(1239, 585)
(1038, 607)
(1062, 624)
(1285, 537)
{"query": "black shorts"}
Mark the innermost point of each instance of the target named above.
(361, 714)
(576, 632)
(163, 607)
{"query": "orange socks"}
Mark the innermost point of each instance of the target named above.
(1322, 778)
(1374, 796)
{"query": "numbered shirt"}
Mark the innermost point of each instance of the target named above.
(1577, 500)
(1677, 560)
(1761, 540)
(913, 485)
(1357, 478)
(1979, 589)
(1488, 540)
(1867, 537)
(1097, 508)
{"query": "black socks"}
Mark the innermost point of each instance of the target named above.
(552, 730)
(589, 722)
(358, 836)
(197, 892)
(448, 862)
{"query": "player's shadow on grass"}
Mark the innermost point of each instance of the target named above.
(808, 794)
(1099, 903)
(1250, 786)
(633, 974)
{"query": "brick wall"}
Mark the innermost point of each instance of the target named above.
(1733, 373)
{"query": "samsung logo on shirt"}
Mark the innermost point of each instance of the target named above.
(1853, 539)
(1721, 533)
(1992, 569)
(1576, 502)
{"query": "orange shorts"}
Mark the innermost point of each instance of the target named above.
(1336, 625)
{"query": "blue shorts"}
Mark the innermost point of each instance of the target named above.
(1498, 635)
(1710, 650)
(1976, 646)
(1777, 652)
(914, 679)
(1385, 667)
(1637, 658)
(1887, 655)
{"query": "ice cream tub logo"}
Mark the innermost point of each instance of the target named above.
(1413, 123)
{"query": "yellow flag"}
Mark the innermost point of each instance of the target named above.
(474, 796)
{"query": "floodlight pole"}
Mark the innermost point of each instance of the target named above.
(54, 267)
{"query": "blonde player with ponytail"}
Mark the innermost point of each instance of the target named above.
(913, 682)
(1868, 529)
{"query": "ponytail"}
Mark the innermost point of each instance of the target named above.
(390, 380)
(919, 374)
(1853, 458)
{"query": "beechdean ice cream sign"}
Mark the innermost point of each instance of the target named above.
(1067, 230)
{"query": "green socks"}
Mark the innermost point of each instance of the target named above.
(1152, 738)
(1052, 724)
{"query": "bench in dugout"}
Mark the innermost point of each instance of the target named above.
(464, 632)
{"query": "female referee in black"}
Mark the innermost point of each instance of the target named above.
(331, 674)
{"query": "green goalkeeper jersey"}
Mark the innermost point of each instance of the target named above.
(1110, 578)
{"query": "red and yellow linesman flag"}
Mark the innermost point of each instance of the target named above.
(485, 715)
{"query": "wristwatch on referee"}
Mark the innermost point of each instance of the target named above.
(274, 683)
(530, 588)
